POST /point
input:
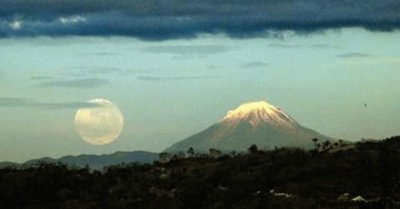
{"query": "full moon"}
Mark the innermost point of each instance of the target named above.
(100, 124)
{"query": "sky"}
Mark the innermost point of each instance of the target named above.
(175, 67)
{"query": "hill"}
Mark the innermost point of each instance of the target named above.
(365, 176)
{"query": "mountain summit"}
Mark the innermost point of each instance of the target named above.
(257, 123)
(260, 112)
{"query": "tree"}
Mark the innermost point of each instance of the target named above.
(315, 140)
(253, 149)
(164, 157)
(336, 144)
(190, 152)
(180, 154)
(341, 143)
(318, 146)
(215, 153)
(326, 145)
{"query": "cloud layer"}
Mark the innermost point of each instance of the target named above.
(172, 78)
(188, 49)
(24, 102)
(169, 19)
(354, 55)
(248, 65)
(77, 83)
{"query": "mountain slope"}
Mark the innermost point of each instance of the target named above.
(257, 123)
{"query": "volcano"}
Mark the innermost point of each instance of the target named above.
(258, 123)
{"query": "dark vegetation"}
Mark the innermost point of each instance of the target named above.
(361, 175)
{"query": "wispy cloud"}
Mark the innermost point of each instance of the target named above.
(41, 78)
(77, 83)
(284, 45)
(90, 71)
(93, 70)
(172, 19)
(172, 78)
(354, 55)
(255, 65)
(188, 49)
(324, 46)
(10, 102)
(15, 102)
(374, 60)
(100, 54)
(67, 105)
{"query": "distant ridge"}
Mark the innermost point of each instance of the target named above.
(93, 161)
(257, 123)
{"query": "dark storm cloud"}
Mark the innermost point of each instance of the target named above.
(354, 55)
(77, 83)
(172, 78)
(169, 19)
(24, 102)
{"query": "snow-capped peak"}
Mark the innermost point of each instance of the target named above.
(257, 112)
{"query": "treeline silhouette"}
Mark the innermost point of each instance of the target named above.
(361, 175)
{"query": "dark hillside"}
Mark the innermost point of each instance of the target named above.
(367, 175)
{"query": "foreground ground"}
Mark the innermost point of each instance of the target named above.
(364, 175)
